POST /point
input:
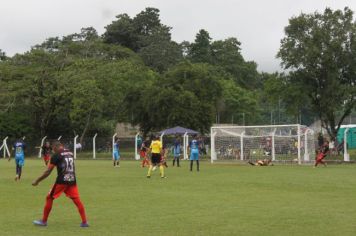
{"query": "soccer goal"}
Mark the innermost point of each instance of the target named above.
(280, 143)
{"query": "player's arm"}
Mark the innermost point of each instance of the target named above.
(44, 175)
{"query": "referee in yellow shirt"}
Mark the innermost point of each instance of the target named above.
(156, 149)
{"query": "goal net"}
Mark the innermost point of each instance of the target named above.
(281, 143)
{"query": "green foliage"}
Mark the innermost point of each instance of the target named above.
(2, 55)
(238, 102)
(186, 96)
(319, 50)
(146, 35)
(85, 83)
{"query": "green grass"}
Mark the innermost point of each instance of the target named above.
(223, 199)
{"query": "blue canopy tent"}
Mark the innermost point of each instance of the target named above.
(180, 131)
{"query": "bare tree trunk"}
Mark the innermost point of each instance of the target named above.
(85, 127)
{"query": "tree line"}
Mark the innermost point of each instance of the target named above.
(134, 72)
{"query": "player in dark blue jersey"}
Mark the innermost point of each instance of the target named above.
(194, 152)
(19, 148)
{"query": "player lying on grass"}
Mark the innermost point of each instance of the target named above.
(323, 152)
(264, 162)
(66, 182)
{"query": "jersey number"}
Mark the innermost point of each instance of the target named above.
(69, 164)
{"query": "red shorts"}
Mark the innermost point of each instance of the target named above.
(142, 154)
(47, 157)
(71, 191)
(320, 157)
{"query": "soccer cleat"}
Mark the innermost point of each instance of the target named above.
(17, 178)
(164, 177)
(39, 223)
(148, 176)
(154, 168)
(84, 225)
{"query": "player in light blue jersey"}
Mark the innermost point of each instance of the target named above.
(176, 151)
(194, 152)
(116, 154)
(19, 147)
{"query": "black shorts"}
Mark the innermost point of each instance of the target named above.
(155, 158)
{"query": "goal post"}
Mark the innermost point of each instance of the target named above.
(281, 143)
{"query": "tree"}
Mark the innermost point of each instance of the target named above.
(161, 52)
(2, 55)
(200, 50)
(122, 32)
(227, 54)
(238, 102)
(146, 35)
(185, 96)
(319, 50)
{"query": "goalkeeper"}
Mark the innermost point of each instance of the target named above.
(264, 162)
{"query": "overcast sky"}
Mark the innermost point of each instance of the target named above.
(257, 24)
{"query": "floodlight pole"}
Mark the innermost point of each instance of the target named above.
(113, 143)
(75, 146)
(346, 154)
(94, 146)
(42, 142)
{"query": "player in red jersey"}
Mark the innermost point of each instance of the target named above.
(323, 152)
(65, 182)
(143, 152)
(46, 152)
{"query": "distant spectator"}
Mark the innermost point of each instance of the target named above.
(78, 146)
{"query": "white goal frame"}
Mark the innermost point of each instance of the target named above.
(303, 135)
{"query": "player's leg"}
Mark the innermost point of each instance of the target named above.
(161, 170)
(115, 159)
(150, 167)
(174, 160)
(118, 160)
(197, 164)
(191, 165)
(55, 192)
(72, 192)
(21, 164)
(322, 161)
(17, 169)
(47, 208)
(81, 211)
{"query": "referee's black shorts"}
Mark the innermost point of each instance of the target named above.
(155, 158)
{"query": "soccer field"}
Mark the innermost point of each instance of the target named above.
(222, 199)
